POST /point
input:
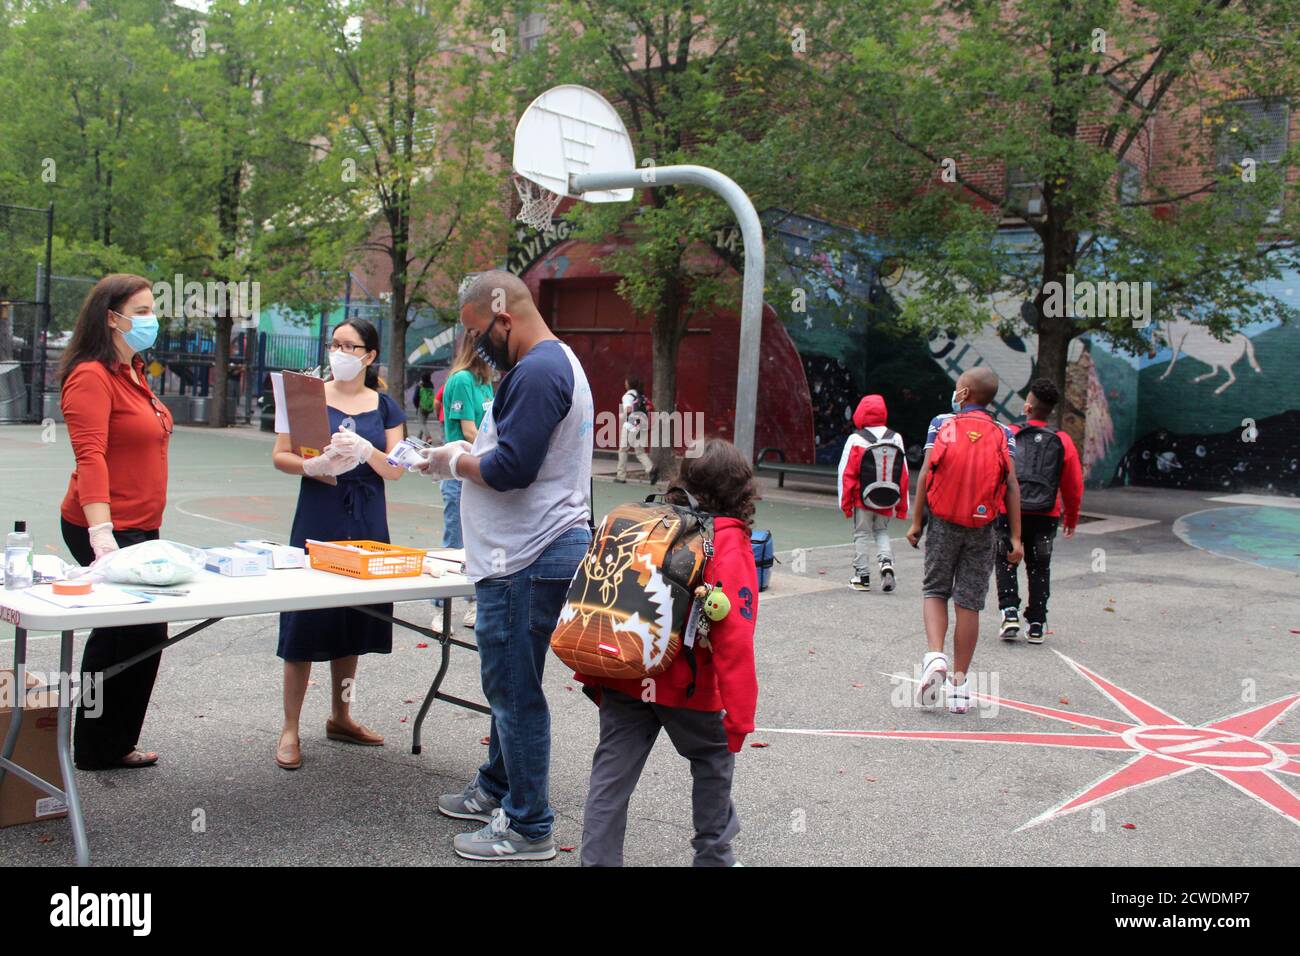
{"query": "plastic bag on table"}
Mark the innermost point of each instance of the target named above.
(157, 563)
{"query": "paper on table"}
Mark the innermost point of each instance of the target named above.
(104, 595)
(447, 554)
(281, 408)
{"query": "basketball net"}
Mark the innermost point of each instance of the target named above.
(538, 203)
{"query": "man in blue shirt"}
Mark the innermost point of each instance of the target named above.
(525, 519)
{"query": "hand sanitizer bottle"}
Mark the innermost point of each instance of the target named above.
(18, 558)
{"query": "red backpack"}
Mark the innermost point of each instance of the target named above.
(968, 470)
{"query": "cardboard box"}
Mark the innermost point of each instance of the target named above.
(278, 556)
(35, 751)
(235, 562)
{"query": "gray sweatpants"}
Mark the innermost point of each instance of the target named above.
(868, 527)
(628, 730)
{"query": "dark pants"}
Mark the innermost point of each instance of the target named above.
(102, 741)
(628, 731)
(1037, 532)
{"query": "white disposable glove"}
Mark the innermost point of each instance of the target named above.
(437, 463)
(329, 462)
(102, 541)
(352, 445)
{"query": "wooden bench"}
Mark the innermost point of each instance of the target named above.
(781, 467)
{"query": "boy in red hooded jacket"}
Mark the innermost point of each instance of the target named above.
(886, 491)
(707, 726)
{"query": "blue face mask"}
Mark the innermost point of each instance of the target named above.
(144, 331)
(956, 405)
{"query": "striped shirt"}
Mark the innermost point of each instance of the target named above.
(937, 422)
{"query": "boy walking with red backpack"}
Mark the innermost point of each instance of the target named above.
(873, 489)
(967, 475)
(1051, 491)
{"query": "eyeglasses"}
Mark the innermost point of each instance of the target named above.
(350, 349)
(160, 410)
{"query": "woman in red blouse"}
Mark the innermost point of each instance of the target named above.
(119, 432)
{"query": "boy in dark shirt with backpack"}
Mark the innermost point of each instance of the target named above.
(968, 473)
(1051, 491)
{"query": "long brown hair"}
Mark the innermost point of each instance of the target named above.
(722, 481)
(92, 340)
(467, 357)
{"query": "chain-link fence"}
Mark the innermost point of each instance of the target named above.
(26, 237)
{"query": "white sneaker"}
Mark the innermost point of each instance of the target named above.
(934, 671)
(958, 696)
(471, 615)
(436, 624)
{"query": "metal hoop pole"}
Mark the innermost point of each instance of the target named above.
(751, 304)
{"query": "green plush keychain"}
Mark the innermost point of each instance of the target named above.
(714, 600)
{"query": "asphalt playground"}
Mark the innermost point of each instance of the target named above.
(1109, 745)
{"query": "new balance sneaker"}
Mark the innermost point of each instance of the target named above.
(860, 582)
(497, 842)
(471, 616)
(436, 624)
(886, 575)
(1010, 624)
(934, 671)
(958, 696)
(470, 804)
(1035, 635)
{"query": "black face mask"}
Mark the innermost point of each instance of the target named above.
(496, 356)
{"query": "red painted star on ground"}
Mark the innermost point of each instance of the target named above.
(1163, 746)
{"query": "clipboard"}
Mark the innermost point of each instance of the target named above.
(309, 422)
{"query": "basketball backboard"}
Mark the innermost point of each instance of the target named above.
(571, 130)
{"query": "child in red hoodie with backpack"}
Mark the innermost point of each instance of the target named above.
(708, 725)
(873, 489)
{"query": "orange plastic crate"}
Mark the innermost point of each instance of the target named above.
(379, 560)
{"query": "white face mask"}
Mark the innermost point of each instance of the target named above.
(344, 367)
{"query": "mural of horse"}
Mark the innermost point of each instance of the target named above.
(1195, 340)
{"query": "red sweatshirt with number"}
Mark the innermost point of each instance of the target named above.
(725, 677)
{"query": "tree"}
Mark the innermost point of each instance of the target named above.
(946, 96)
(696, 81)
(404, 126)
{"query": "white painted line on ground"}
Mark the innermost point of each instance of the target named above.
(1267, 501)
(1106, 524)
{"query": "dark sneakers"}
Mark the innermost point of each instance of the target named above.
(860, 582)
(886, 575)
(1036, 631)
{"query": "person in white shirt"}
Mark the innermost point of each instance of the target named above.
(633, 427)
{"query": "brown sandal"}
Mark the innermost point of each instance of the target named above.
(362, 735)
(290, 757)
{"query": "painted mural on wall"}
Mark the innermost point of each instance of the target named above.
(1220, 415)
(1263, 456)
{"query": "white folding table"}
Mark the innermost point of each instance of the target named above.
(211, 597)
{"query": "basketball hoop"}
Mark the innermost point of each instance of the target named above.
(538, 203)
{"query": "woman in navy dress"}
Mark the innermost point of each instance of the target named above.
(365, 425)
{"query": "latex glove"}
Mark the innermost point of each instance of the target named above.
(102, 541)
(352, 445)
(437, 463)
(329, 462)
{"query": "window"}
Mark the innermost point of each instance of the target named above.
(531, 30)
(1024, 193)
(1128, 182)
(1255, 130)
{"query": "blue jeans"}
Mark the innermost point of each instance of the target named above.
(451, 535)
(516, 615)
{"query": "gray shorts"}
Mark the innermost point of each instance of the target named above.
(958, 562)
